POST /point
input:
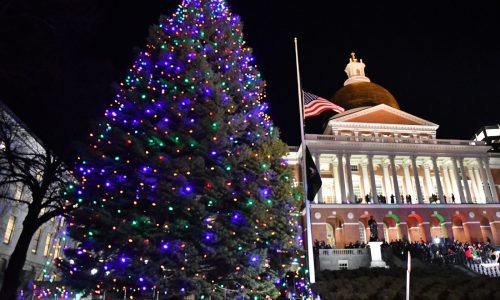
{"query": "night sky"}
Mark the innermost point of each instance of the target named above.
(60, 58)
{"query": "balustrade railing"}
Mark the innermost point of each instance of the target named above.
(488, 268)
(355, 251)
(408, 140)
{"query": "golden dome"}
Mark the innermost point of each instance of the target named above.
(359, 94)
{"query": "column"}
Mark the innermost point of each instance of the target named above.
(395, 179)
(406, 172)
(464, 179)
(361, 184)
(366, 178)
(457, 180)
(447, 181)
(426, 227)
(490, 181)
(475, 193)
(341, 178)
(317, 161)
(372, 179)
(484, 181)
(428, 181)
(349, 177)
(417, 179)
(438, 179)
(338, 196)
(387, 181)
(479, 184)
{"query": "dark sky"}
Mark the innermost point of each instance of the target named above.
(59, 58)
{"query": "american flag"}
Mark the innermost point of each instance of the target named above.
(314, 105)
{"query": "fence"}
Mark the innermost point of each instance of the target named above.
(336, 259)
(488, 268)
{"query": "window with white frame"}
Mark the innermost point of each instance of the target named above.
(325, 166)
(57, 248)
(400, 185)
(356, 186)
(46, 248)
(19, 192)
(362, 232)
(378, 184)
(36, 241)
(328, 190)
(9, 230)
(386, 232)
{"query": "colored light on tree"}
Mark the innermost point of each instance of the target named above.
(192, 164)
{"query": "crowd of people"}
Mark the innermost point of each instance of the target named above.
(323, 245)
(403, 199)
(435, 252)
(446, 252)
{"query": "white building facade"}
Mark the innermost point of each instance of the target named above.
(378, 161)
(48, 241)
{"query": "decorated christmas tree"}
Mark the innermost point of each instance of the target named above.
(184, 187)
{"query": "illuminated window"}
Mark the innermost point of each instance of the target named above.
(356, 186)
(9, 230)
(378, 185)
(46, 249)
(328, 190)
(61, 223)
(386, 231)
(57, 249)
(36, 241)
(19, 192)
(362, 232)
(325, 166)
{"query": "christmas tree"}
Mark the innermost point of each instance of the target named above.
(184, 187)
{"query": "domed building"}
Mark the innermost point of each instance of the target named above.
(359, 91)
(377, 161)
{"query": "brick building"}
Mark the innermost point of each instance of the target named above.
(377, 160)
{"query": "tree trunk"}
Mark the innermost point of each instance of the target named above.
(13, 273)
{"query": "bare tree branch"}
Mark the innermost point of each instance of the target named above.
(40, 181)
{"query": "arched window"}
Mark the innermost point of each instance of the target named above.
(330, 235)
(386, 232)
(362, 232)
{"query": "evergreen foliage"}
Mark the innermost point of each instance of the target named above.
(185, 189)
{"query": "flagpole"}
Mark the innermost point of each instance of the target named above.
(408, 270)
(310, 253)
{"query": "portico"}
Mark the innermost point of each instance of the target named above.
(387, 164)
(378, 161)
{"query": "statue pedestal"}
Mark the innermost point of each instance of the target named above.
(376, 254)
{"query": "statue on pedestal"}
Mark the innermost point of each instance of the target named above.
(373, 229)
